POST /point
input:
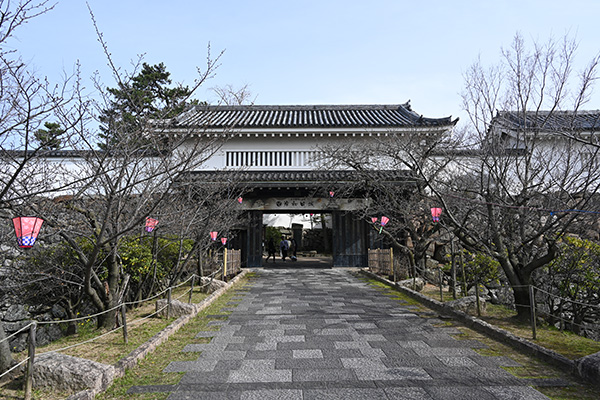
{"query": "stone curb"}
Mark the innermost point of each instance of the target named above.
(481, 326)
(138, 354)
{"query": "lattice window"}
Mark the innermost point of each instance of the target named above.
(265, 159)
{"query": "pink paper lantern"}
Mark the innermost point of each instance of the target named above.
(435, 213)
(213, 235)
(240, 200)
(374, 219)
(224, 241)
(384, 220)
(27, 230)
(150, 224)
(331, 193)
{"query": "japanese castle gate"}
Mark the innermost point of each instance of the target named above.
(274, 148)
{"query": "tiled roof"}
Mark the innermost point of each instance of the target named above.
(308, 116)
(550, 121)
(311, 178)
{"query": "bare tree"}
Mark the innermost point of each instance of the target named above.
(393, 171)
(26, 103)
(230, 96)
(511, 198)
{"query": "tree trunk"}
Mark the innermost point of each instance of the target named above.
(71, 326)
(521, 294)
(6, 360)
(107, 320)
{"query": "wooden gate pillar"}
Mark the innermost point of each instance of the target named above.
(254, 239)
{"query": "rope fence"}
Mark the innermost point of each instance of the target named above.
(542, 304)
(124, 323)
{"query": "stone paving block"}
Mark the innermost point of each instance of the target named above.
(372, 353)
(373, 338)
(515, 393)
(460, 393)
(352, 345)
(243, 375)
(204, 395)
(458, 361)
(413, 362)
(413, 344)
(363, 363)
(309, 353)
(345, 394)
(341, 353)
(266, 346)
(228, 339)
(407, 393)
(227, 365)
(399, 373)
(223, 355)
(191, 378)
(240, 346)
(444, 351)
(308, 363)
(268, 354)
(364, 325)
(305, 345)
(473, 344)
(274, 394)
(323, 375)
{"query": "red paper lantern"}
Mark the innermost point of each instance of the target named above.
(213, 235)
(374, 219)
(224, 241)
(27, 230)
(240, 200)
(150, 224)
(435, 213)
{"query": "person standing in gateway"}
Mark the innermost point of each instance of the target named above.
(283, 246)
(270, 249)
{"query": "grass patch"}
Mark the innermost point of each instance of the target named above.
(111, 348)
(566, 343)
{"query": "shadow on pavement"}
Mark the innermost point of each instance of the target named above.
(303, 262)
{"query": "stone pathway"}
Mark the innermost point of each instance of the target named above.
(325, 334)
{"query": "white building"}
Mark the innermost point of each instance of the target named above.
(278, 151)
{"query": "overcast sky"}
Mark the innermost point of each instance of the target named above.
(308, 52)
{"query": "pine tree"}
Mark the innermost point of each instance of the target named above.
(147, 96)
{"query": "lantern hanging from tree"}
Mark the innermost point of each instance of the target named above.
(331, 193)
(27, 230)
(384, 221)
(374, 219)
(224, 241)
(435, 214)
(150, 224)
(240, 200)
(213, 235)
